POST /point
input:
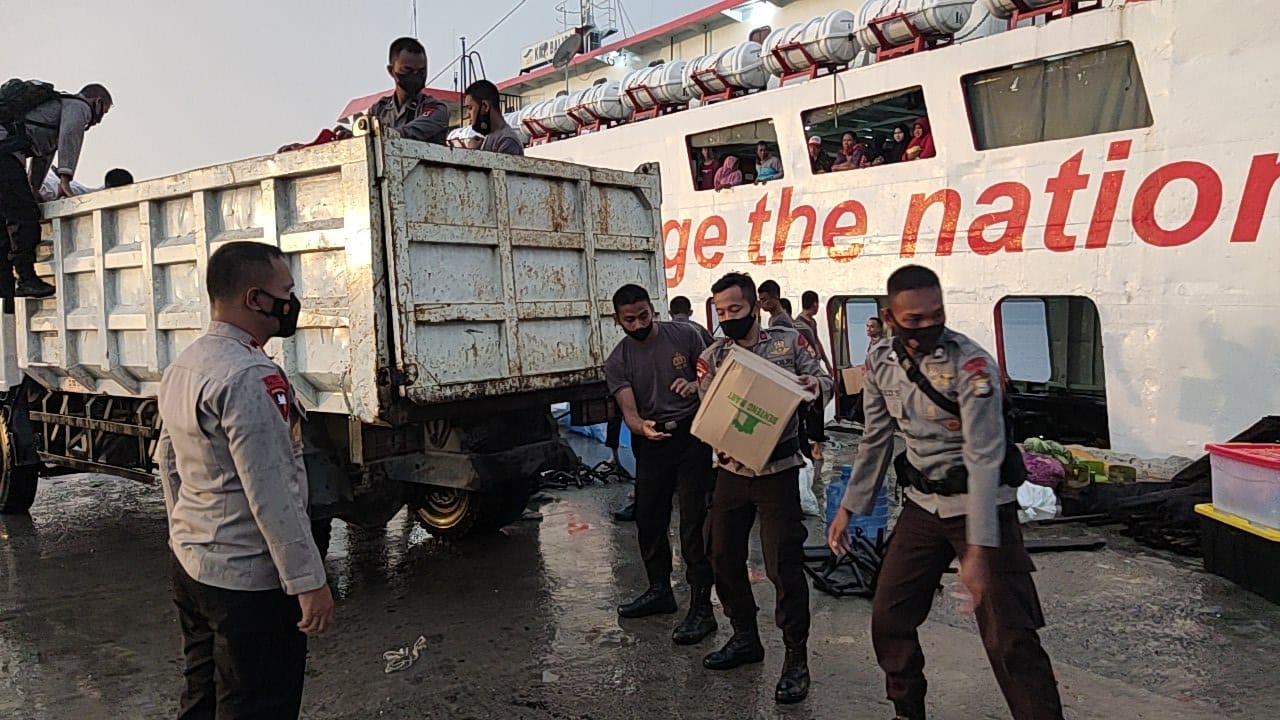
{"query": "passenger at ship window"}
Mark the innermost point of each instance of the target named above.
(921, 145)
(819, 161)
(728, 175)
(768, 165)
(895, 145)
(484, 112)
(851, 153)
(704, 171)
(875, 153)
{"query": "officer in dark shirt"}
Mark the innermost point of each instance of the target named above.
(408, 112)
(772, 493)
(651, 374)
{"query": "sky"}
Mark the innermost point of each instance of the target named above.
(203, 82)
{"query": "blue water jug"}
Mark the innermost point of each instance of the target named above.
(872, 525)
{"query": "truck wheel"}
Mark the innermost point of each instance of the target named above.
(17, 484)
(447, 513)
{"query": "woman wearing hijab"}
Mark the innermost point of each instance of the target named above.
(706, 169)
(728, 175)
(921, 145)
(895, 144)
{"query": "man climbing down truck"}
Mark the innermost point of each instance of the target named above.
(37, 121)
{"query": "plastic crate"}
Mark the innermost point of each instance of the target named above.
(1246, 481)
(1240, 551)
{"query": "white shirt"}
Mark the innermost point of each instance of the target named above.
(50, 188)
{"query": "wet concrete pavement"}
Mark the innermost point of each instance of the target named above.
(522, 625)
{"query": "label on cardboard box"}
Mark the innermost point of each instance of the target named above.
(747, 407)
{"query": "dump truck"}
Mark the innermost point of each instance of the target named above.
(449, 297)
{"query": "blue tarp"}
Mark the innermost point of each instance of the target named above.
(595, 432)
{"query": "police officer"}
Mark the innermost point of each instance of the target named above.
(409, 112)
(651, 375)
(771, 302)
(248, 581)
(773, 494)
(943, 392)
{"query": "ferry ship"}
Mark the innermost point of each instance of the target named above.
(1097, 198)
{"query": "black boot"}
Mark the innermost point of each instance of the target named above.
(701, 620)
(627, 513)
(30, 284)
(908, 710)
(793, 686)
(657, 600)
(743, 648)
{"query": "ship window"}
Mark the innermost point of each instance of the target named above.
(861, 133)
(752, 146)
(1050, 348)
(1064, 96)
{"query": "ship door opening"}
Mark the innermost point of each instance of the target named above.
(1050, 348)
(847, 316)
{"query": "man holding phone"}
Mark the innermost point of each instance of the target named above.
(652, 376)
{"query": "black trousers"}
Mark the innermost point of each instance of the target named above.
(734, 507)
(921, 548)
(676, 467)
(244, 654)
(19, 208)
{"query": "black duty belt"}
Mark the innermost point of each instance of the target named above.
(956, 480)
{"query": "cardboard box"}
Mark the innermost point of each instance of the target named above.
(852, 377)
(747, 407)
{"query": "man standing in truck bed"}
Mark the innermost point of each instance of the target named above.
(651, 375)
(37, 122)
(407, 111)
(248, 580)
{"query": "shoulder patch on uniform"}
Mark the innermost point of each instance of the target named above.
(703, 367)
(801, 341)
(981, 385)
(976, 365)
(278, 389)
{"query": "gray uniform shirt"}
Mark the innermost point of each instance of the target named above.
(962, 371)
(422, 117)
(707, 338)
(781, 319)
(785, 348)
(57, 126)
(649, 368)
(504, 141)
(230, 458)
(807, 327)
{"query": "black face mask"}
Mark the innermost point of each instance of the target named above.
(285, 310)
(411, 83)
(639, 333)
(738, 328)
(481, 125)
(923, 340)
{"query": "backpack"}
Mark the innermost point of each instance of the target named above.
(19, 97)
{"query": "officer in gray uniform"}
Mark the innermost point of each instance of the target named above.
(772, 493)
(248, 580)
(407, 111)
(944, 393)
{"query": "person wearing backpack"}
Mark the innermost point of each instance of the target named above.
(943, 392)
(37, 122)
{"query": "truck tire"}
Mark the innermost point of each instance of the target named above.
(17, 484)
(453, 514)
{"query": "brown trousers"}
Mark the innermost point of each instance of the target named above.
(734, 506)
(920, 549)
